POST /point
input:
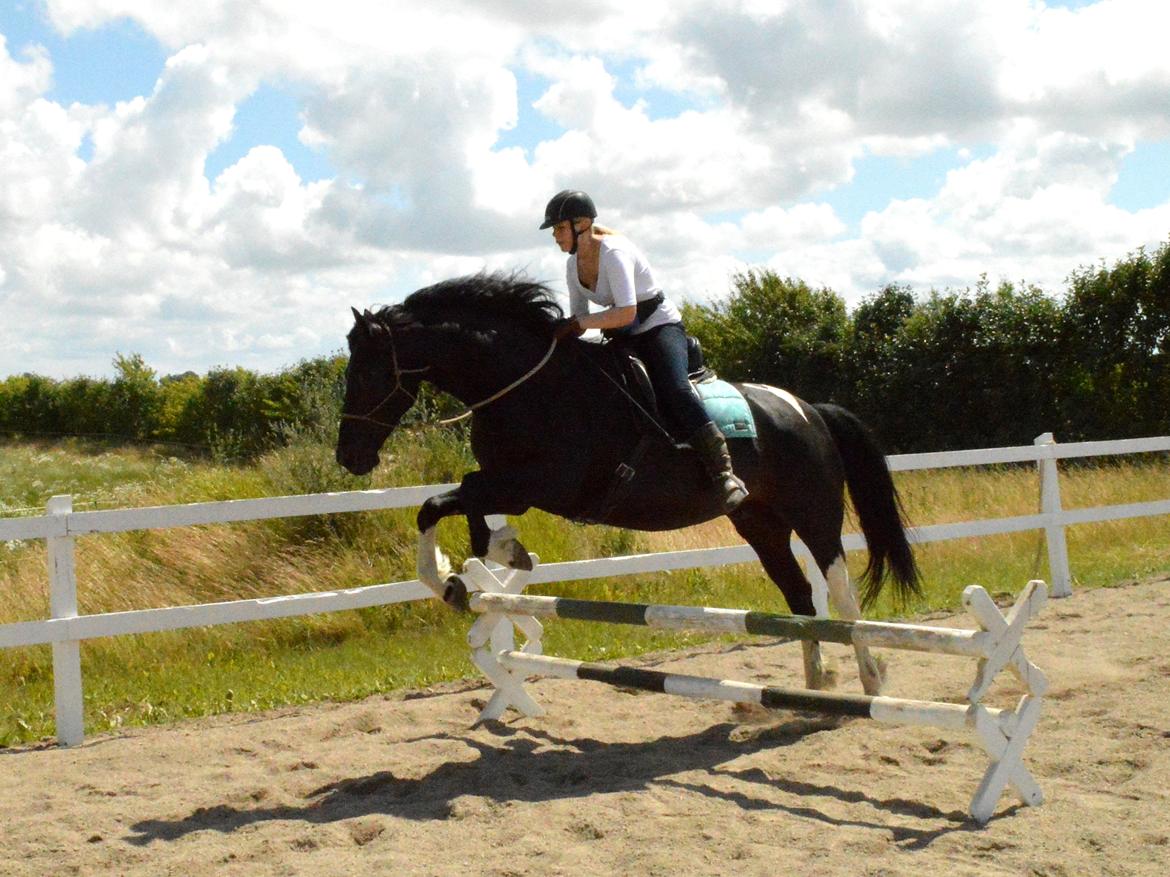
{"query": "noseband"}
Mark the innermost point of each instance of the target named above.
(368, 417)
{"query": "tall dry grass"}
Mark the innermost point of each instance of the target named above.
(158, 677)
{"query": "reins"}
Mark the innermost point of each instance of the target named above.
(508, 389)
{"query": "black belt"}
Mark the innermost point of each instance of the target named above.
(644, 309)
(649, 306)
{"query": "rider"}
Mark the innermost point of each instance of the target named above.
(607, 269)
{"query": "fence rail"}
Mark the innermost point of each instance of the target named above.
(60, 526)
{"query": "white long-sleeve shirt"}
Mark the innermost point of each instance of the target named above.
(624, 278)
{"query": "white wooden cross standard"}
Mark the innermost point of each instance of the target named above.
(492, 634)
(1003, 648)
(1006, 751)
(1003, 734)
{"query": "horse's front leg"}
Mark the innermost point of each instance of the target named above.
(477, 496)
(484, 494)
(434, 569)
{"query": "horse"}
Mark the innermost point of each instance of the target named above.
(553, 428)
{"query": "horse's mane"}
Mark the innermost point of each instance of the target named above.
(504, 295)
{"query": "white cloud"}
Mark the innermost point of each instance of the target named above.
(133, 248)
(1033, 211)
(261, 216)
(147, 167)
(22, 81)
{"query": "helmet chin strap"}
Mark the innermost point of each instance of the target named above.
(576, 235)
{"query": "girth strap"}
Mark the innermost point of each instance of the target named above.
(619, 483)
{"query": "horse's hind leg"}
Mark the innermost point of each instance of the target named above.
(770, 536)
(844, 597)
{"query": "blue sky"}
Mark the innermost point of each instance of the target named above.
(116, 61)
(210, 188)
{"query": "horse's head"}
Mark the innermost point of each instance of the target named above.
(474, 334)
(386, 364)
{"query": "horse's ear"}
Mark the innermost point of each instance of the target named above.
(373, 327)
(365, 321)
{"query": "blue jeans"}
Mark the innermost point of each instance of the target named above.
(664, 350)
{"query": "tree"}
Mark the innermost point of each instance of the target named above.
(134, 400)
(777, 331)
(876, 364)
(1116, 343)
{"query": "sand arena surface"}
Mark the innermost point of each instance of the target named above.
(634, 783)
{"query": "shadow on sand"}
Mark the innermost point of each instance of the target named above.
(529, 765)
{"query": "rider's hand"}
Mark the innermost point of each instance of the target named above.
(569, 327)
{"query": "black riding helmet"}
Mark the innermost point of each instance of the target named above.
(569, 204)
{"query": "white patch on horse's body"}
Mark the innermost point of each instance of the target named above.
(781, 394)
(844, 597)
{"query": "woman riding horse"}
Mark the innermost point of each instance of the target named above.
(551, 429)
(605, 268)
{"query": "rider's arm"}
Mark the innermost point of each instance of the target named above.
(610, 318)
(618, 267)
(578, 303)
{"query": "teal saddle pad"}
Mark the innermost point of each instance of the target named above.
(728, 408)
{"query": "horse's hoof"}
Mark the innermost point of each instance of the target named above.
(520, 557)
(455, 594)
(873, 675)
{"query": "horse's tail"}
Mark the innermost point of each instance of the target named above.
(879, 509)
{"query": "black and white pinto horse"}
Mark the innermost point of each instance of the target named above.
(555, 439)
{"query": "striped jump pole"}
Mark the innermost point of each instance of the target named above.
(1002, 733)
(996, 645)
(503, 608)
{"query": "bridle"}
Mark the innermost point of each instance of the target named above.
(368, 417)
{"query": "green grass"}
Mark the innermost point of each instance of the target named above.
(95, 473)
(348, 655)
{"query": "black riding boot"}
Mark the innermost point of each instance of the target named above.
(708, 441)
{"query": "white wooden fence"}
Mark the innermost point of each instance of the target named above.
(60, 526)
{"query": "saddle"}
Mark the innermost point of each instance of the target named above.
(636, 379)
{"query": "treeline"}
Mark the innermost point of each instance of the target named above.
(232, 413)
(988, 367)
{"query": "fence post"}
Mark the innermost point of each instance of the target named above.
(1060, 583)
(66, 655)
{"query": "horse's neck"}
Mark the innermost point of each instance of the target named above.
(473, 363)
